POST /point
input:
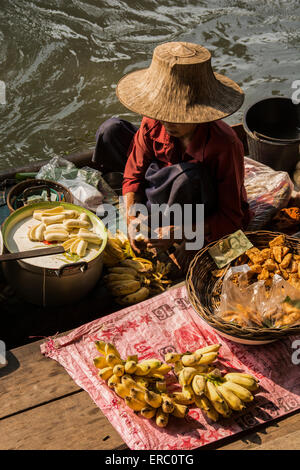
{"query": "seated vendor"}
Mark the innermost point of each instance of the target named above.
(183, 153)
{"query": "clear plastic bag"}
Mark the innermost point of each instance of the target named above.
(82, 182)
(253, 305)
(268, 191)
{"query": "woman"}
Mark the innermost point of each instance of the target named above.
(182, 153)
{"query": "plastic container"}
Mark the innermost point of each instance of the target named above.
(273, 132)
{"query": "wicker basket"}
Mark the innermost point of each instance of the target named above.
(200, 284)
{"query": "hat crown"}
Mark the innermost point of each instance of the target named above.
(180, 86)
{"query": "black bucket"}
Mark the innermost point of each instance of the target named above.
(273, 132)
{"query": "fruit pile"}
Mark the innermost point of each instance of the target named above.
(143, 384)
(131, 279)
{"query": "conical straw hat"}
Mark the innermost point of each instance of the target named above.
(180, 86)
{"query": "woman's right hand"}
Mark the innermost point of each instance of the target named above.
(137, 228)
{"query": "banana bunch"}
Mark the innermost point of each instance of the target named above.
(203, 385)
(133, 280)
(117, 249)
(142, 385)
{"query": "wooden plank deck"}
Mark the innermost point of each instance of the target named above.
(42, 408)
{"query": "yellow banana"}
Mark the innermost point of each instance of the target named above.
(246, 382)
(142, 382)
(231, 398)
(123, 270)
(208, 358)
(124, 288)
(114, 249)
(137, 394)
(119, 370)
(244, 394)
(119, 277)
(130, 382)
(112, 360)
(134, 404)
(188, 392)
(171, 358)
(153, 399)
(180, 411)
(181, 399)
(142, 369)
(100, 362)
(100, 345)
(212, 393)
(167, 404)
(163, 369)
(198, 384)
(148, 412)
(113, 381)
(111, 349)
(219, 404)
(161, 418)
(135, 296)
(137, 265)
(204, 404)
(186, 375)
(153, 363)
(208, 349)
(130, 367)
(215, 373)
(190, 359)
(109, 260)
(122, 390)
(105, 373)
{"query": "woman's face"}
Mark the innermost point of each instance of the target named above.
(179, 130)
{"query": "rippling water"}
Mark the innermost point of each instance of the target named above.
(61, 60)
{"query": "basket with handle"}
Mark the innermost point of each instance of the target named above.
(200, 284)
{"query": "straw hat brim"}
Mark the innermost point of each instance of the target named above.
(224, 98)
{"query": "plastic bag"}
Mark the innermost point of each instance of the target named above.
(268, 191)
(253, 305)
(82, 182)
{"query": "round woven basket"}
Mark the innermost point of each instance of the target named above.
(200, 284)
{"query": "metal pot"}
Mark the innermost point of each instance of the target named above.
(65, 284)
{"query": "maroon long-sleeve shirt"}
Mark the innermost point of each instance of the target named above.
(217, 145)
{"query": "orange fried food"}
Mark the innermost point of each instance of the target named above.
(255, 256)
(277, 253)
(286, 261)
(270, 265)
(277, 241)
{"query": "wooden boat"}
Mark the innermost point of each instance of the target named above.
(37, 390)
(21, 321)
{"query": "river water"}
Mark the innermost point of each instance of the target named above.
(60, 61)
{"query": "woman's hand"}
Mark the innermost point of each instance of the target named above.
(166, 236)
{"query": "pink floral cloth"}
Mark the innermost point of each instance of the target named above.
(168, 323)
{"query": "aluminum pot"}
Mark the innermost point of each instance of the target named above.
(63, 284)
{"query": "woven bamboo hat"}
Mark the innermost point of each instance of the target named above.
(180, 86)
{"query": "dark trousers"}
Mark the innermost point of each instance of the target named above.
(113, 139)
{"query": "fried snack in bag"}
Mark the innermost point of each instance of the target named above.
(270, 302)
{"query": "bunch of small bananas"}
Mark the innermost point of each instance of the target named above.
(131, 279)
(142, 385)
(204, 385)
